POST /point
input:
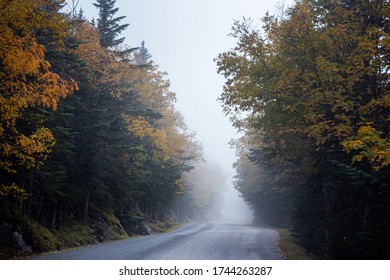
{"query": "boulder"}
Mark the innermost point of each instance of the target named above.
(100, 230)
(19, 244)
(143, 229)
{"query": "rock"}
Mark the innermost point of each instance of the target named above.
(19, 243)
(100, 231)
(9, 237)
(142, 229)
(148, 230)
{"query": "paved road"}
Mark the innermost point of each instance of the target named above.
(214, 241)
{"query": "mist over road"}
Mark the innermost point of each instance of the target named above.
(216, 241)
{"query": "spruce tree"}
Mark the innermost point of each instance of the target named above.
(142, 57)
(108, 25)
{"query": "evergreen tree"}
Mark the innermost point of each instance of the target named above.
(142, 57)
(80, 15)
(108, 25)
(115, 147)
(27, 85)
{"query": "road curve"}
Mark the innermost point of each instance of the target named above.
(206, 241)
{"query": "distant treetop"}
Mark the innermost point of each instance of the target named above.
(108, 25)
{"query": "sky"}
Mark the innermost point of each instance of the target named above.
(184, 37)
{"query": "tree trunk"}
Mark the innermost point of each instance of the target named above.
(41, 199)
(28, 187)
(328, 218)
(60, 216)
(54, 217)
(86, 207)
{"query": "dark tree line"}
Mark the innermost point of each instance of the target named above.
(311, 93)
(88, 132)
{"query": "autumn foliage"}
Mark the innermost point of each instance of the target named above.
(311, 92)
(89, 132)
(26, 82)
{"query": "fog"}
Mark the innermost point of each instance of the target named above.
(184, 37)
(234, 209)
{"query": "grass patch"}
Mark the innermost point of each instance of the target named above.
(7, 253)
(100, 227)
(115, 230)
(162, 226)
(76, 235)
(40, 238)
(290, 249)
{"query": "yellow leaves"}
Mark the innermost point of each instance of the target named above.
(21, 57)
(24, 16)
(26, 81)
(24, 56)
(328, 68)
(169, 133)
(141, 128)
(320, 132)
(10, 110)
(54, 88)
(12, 190)
(39, 142)
(352, 145)
(29, 151)
(369, 144)
(108, 72)
(169, 141)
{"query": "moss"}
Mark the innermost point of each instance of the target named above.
(35, 235)
(40, 238)
(291, 250)
(156, 227)
(162, 226)
(104, 226)
(75, 235)
(115, 230)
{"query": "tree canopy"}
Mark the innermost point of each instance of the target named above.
(89, 132)
(311, 93)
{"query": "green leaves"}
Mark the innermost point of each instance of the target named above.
(311, 87)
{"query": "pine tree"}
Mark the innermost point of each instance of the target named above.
(142, 57)
(27, 84)
(108, 25)
(80, 15)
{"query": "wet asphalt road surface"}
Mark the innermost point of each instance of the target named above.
(196, 241)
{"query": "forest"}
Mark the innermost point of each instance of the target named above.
(310, 94)
(92, 147)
